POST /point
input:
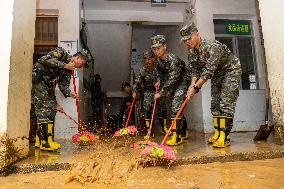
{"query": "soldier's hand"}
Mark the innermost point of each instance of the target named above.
(190, 92)
(74, 95)
(59, 108)
(157, 96)
(191, 85)
(134, 95)
(70, 65)
(157, 85)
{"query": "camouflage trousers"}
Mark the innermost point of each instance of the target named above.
(44, 102)
(225, 92)
(148, 104)
(178, 96)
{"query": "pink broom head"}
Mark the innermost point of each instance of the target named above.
(159, 151)
(84, 136)
(143, 144)
(126, 131)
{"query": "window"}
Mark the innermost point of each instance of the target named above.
(236, 34)
(46, 35)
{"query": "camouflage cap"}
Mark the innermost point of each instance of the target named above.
(148, 54)
(88, 56)
(157, 41)
(187, 31)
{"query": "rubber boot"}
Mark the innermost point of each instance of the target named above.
(184, 131)
(225, 129)
(37, 138)
(176, 135)
(163, 124)
(147, 122)
(51, 136)
(216, 122)
(45, 145)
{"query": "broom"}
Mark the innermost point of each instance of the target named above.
(127, 130)
(152, 118)
(146, 142)
(84, 135)
(162, 151)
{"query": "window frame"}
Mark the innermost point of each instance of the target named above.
(236, 47)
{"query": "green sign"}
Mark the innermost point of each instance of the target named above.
(238, 27)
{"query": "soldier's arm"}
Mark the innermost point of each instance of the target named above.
(160, 76)
(64, 83)
(139, 80)
(53, 57)
(174, 76)
(193, 64)
(212, 62)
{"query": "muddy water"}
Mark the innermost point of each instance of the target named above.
(114, 165)
(264, 174)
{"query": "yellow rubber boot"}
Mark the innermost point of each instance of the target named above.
(50, 136)
(184, 131)
(176, 136)
(45, 146)
(37, 142)
(224, 138)
(147, 121)
(163, 124)
(216, 130)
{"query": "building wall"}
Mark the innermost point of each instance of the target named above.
(273, 27)
(16, 57)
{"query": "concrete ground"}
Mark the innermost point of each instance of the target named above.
(193, 151)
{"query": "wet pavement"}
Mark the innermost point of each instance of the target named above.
(193, 151)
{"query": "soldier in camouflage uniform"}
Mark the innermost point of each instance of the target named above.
(145, 85)
(213, 60)
(173, 79)
(57, 64)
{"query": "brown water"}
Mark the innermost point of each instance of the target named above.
(264, 174)
(117, 166)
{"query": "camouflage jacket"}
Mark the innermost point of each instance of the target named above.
(212, 58)
(145, 80)
(171, 73)
(50, 67)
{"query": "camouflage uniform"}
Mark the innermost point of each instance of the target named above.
(173, 78)
(145, 84)
(45, 71)
(213, 60)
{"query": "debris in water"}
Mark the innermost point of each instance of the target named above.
(126, 131)
(84, 137)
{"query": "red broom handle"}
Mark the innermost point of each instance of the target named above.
(129, 114)
(77, 100)
(70, 117)
(175, 119)
(153, 113)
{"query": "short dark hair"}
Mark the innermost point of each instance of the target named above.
(80, 55)
(125, 84)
